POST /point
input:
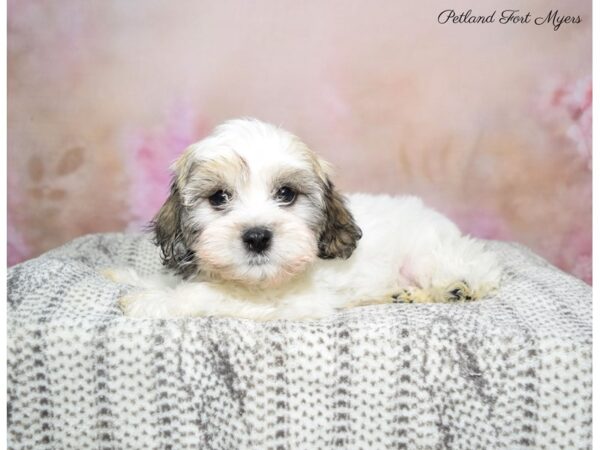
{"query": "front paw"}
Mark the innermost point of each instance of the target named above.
(112, 274)
(148, 304)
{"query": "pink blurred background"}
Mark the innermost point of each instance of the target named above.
(489, 123)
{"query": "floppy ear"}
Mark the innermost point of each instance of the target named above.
(170, 235)
(340, 234)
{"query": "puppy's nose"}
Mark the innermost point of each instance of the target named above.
(257, 239)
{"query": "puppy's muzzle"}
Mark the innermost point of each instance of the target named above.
(257, 239)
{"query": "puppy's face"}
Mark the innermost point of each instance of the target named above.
(252, 204)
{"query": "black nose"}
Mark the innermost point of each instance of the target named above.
(257, 239)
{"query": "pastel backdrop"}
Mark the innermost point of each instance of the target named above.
(489, 123)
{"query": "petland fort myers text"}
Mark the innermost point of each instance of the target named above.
(508, 16)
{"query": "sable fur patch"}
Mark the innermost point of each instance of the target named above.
(340, 233)
(172, 237)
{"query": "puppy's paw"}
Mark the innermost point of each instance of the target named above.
(148, 304)
(404, 296)
(413, 295)
(458, 292)
(419, 295)
(111, 274)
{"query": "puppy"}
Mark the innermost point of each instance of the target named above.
(254, 228)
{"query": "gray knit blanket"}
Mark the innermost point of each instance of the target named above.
(509, 372)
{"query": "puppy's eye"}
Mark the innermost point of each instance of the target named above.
(219, 198)
(285, 195)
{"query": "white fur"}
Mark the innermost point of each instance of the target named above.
(407, 253)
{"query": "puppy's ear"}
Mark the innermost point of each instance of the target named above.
(170, 235)
(340, 234)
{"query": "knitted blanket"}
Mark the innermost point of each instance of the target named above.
(513, 371)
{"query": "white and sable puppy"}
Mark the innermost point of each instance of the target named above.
(254, 228)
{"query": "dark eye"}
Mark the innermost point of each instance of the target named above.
(219, 198)
(285, 195)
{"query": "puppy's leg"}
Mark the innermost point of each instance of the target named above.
(193, 300)
(202, 299)
(459, 291)
(455, 269)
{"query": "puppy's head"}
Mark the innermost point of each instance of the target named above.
(252, 204)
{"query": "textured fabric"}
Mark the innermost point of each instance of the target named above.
(513, 371)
